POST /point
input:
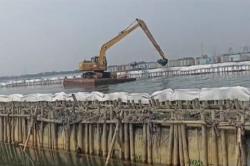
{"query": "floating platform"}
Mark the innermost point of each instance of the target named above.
(81, 82)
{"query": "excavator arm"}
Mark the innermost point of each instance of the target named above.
(100, 64)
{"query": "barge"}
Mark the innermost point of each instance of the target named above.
(82, 82)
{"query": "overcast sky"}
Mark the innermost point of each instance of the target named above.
(53, 35)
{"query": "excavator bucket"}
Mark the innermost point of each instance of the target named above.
(162, 62)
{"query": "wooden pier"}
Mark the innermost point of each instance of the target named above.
(169, 133)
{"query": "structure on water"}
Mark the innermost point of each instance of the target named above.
(169, 132)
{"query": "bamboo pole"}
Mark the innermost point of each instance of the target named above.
(120, 141)
(181, 155)
(126, 142)
(144, 156)
(1, 130)
(243, 146)
(149, 143)
(29, 133)
(86, 138)
(80, 137)
(131, 141)
(98, 139)
(214, 143)
(110, 136)
(67, 135)
(91, 150)
(185, 146)
(170, 144)
(175, 150)
(204, 142)
(104, 140)
(223, 143)
(112, 143)
(41, 131)
(24, 128)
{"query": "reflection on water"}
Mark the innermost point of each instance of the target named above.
(148, 85)
(14, 156)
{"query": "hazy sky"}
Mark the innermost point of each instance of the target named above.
(47, 35)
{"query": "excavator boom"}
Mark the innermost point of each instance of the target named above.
(99, 64)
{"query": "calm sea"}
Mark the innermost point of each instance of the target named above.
(148, 85)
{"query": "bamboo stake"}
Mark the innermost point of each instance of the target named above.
(181, 156)
(131, 141)
(120, 141)
(243, 144)
(185, 146)
(214, 143)
(1, 130)
(41, 130)
(98, 139)
(79, 136)
(149, 140)
(104, 140)
(91, 150)
(170, 144)
(144, 156)
(175, 150)
(223, 143)
(29, 133)
(126, 142)
(86, 138)
(204, 142)
(112, 143)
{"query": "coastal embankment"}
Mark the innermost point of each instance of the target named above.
(171, 127)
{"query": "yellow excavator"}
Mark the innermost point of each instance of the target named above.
(98, 64)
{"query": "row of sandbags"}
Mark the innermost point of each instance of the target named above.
(222, 93)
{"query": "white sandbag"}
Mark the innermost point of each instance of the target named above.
(144, 97)
(4, 98)
(37, 97)
(185, 94)
(95, 96)
(223, 93)
(116, 95)
(15, 97)
(62, 97)
(163, 95)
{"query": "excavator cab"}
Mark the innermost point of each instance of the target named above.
(94, 59)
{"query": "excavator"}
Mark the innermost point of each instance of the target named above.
(98, 64)
(94, 70)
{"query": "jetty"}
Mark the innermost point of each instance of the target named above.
(188, 70)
